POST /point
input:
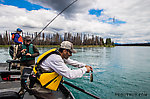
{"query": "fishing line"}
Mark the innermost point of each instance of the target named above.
(53, 19)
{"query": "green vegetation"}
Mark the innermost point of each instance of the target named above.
(76, 46)
(4, 45)
(54, 40)
(52, 46)
(57, 46)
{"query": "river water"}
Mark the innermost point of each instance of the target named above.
(119, 73)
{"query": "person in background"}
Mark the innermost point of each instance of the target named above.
(56, 62)
(18, 40)
(27, 52)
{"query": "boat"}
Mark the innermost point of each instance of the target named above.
(10, 83)
(7, 73)
(61, 93)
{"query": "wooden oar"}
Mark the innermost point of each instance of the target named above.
(82, 90)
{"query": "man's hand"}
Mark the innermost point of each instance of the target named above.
(89, 68)
(23, 51)
(28, 54)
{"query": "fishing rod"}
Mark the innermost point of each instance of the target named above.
(91, 76)
(53, 20)
(82, 90)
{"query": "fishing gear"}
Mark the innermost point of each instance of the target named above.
(91, 76)
(53, 20)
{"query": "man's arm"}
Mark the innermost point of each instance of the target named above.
(56, 63)
(74, 63)
(36, 52)
(19, 54)
(78, 64)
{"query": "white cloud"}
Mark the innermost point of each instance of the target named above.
(77, 19)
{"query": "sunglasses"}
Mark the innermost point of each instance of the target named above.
(69, 51)
(28, 40)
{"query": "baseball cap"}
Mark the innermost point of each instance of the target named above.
(19, 30)
(67, 45)
(27, 38)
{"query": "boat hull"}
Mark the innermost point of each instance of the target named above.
(7, 74)
(14, 86)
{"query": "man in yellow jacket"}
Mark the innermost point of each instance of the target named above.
(57, 63)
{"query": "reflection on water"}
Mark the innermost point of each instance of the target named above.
(118, 72)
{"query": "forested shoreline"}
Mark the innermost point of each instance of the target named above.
(55, 39)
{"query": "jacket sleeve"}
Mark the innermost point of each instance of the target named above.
(74, 63)
(56, 63)
(36, 52)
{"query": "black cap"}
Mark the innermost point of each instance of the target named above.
(27, 38)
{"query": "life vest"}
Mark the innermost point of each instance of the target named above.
(49, 80)
(23, 57)
(20, 39)
(13, 37)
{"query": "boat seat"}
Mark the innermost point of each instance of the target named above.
(12, 61)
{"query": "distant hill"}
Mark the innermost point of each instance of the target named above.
(133, 44)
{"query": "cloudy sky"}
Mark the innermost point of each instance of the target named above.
(125, 21)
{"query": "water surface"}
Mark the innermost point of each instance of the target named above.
(119, 72)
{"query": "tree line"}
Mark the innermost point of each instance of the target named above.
(56, 39)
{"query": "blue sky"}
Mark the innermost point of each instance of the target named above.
(29, 6)
(98, 13)
(22, 4)
(125, 21)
